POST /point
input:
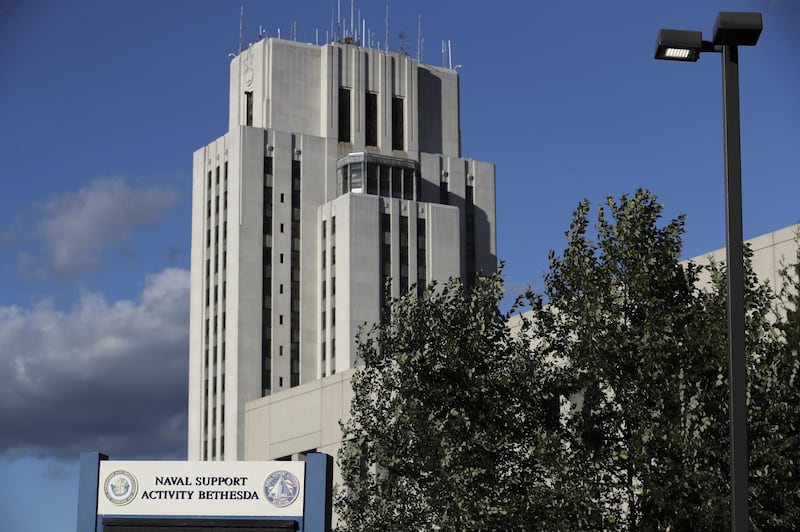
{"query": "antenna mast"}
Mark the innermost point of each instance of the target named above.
(449, 54)
(420, 40)
(241, 18)
(386, 41)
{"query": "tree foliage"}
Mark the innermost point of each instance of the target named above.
(446, 429)
(607, 407)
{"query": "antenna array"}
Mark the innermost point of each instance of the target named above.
(357, 33)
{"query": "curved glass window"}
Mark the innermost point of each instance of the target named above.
(380, 175)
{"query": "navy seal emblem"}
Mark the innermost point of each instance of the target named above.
(120, 487)
(281, 488)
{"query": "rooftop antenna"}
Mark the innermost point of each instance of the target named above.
(351, 16)
(449, 54)
(403, 47)
(294, 30)
(444, 56)
(339, 19)
(241, 18)
(386, 40)
(419, 39)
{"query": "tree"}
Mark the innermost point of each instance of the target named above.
(643, 345)
(607, 407)
(449, 419)
(774, 411)
(624, 321)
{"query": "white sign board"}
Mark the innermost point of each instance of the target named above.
(155, 488)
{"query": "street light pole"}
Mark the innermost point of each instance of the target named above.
(730, 31)
(737, 368)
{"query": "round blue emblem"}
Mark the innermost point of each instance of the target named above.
(120, 487)
(281, 488)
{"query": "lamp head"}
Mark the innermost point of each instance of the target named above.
(679, 45)
(732, 28)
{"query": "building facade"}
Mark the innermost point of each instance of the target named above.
(341, 171)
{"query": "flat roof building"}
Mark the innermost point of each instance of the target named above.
(341, 169)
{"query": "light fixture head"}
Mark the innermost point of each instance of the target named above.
(679, 45)
(732, 28)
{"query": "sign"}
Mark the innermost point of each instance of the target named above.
(157, 488)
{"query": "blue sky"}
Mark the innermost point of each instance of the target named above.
(102, 104)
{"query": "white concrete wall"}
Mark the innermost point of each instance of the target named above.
(769, 252)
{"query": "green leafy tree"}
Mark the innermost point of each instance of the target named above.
(607, 407)
(625, 323)
(450, 419)
(774, 411)
(642, 341)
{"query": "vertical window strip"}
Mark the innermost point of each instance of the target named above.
(266, 321)
(294, 305)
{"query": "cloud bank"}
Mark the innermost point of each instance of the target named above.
(102, 376)
(75, 226)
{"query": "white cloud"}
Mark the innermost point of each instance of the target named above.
(102, 376)
(76, 225)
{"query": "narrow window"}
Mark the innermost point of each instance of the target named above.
(444, 193)
(344, 115)
(397, 123)
(371, 115)
(372, 178)
(249, 108)
(421, 271)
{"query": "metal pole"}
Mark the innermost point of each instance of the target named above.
(734, 243)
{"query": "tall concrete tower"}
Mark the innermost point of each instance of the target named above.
(341, 169)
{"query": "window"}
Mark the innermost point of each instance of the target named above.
(371, 115)
(397, 123)
(249, 108)
(444, 193)
(408, 183)
(344, 114)
(404, 254)
(372, 178)
(356, 177)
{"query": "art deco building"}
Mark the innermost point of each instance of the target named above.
(341, 169)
